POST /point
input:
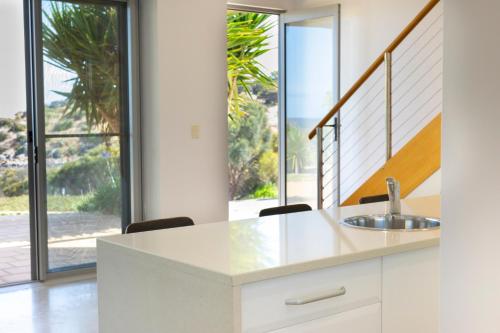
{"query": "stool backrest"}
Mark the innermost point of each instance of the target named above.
(285, 210)
(174, 222)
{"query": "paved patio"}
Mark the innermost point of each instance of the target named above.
(247, 209)
(71, 241)
(72, 237)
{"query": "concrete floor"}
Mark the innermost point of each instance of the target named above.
(60, 306)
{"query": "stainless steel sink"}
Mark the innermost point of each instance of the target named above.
(392, 222)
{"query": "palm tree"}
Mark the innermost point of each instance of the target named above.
(84, 40)
(247, 39)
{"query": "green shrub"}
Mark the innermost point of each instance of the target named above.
(21, 139)
(85, 175)
(16, 127)
(3, 136)
(21, 150)
(63, 125)
(13, 183)
(106, 199)
(268, 167)
(12, 125)
(268, 191)
(249, 138)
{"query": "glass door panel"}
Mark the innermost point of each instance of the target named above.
(310, 83)
(84, 126)
(15, 258)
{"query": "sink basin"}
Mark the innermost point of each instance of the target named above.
(392, 222)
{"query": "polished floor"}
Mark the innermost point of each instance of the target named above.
(59, 306)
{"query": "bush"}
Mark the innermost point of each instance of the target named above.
(87, 174)
(63, 125)
(268, 167)
(12, 125)
(268, 191)
(107, 200)
(3, 136)
(249, 138)
(21, 151)
(14, 183)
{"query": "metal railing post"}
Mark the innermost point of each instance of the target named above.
(319, 138)
(338, 137)
(388, 101)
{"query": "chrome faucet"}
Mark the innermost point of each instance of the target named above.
(394, 196)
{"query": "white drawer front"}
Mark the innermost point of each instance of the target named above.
(363, 320)
(264, 308)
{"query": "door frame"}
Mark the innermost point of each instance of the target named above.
(295, 16)
(130, 140)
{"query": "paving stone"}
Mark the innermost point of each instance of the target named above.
(18, 270)
(13, 278)
(15, 263)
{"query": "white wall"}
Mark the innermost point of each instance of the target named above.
(432, 186)
(368, 26)
(184, 84)
(470, 246)
(12, 79)
(278, 4)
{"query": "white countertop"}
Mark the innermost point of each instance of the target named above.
(240, 252)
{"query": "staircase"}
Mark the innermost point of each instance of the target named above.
(389, 122)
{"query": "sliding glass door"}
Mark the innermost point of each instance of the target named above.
(310, 62)
(64, 133)
(15, 242)
(83, 128)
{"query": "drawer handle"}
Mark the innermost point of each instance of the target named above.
(316, 298)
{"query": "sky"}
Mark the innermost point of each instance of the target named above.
(310, 72)
(12, 63)
(270, 60)
(12, 73)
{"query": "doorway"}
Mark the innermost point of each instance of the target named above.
(252, 57)
(65, 166)
(271, 110)
(310, 75)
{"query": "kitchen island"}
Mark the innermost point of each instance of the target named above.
(302, 272)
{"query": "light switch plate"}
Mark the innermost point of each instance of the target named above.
(195, 131)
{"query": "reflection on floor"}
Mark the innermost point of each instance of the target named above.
(71, 241)
(64, 306)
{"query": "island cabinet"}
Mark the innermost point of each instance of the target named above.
(292, 273)
(390, 294)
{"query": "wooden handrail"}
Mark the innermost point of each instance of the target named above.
(373, 67)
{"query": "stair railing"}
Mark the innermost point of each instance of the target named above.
(329, 169)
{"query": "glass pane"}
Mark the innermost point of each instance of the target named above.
(253, 112)
(82, 127)
(83, 197)
(14, 201)
(309, 96)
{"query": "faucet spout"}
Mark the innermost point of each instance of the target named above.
(393, 190)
